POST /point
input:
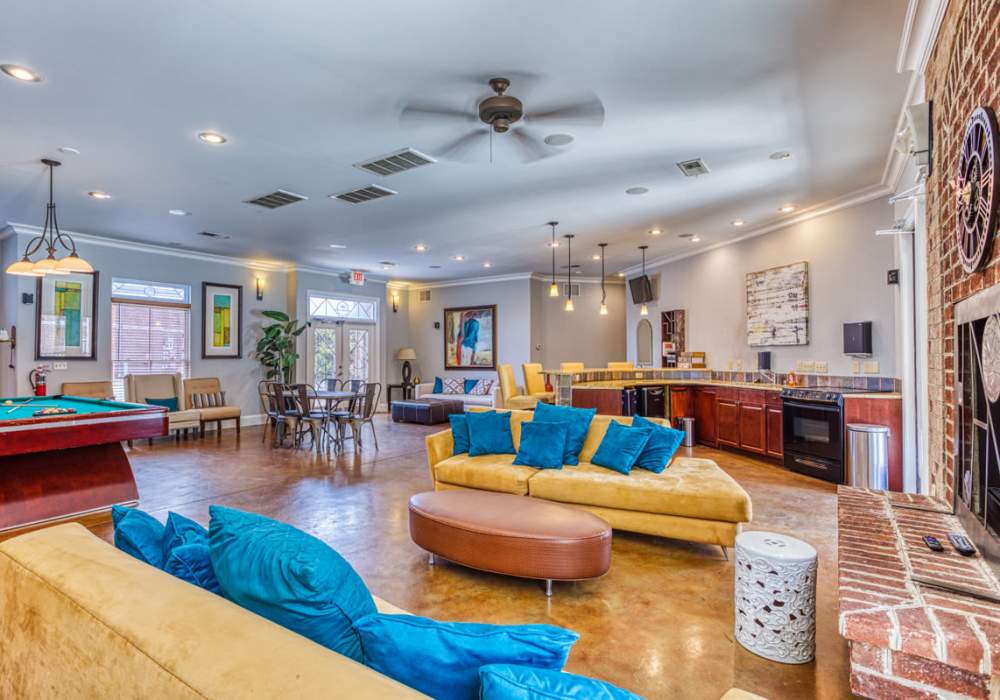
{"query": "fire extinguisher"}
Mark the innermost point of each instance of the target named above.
(36, 378)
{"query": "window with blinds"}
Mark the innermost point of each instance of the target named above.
(150, 335)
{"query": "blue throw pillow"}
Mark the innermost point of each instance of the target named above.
(180, 531)
(193, 563)
(542, 445)
(289, 577)
(469, 385)
(662, 445)
(509, 682)
(620, 447)
(459, 432)
(577, 421)
(442, 659)
(139, 534)
(170, 403)
(438, 386)
(489, 433)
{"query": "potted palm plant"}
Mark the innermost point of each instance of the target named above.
(276, 348)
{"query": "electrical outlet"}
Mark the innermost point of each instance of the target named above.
(871, 366)
(822, 367)
(856, 366)
(60, 365)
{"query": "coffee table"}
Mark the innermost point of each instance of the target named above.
(513, 535)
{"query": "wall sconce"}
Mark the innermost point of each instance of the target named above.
(395, 302)
(260, 288)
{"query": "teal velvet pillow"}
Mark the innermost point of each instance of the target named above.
(193, 563)
(489, 433)
(442, 659)
(542, 445)
(139, 534)
(288, 577)
(662, 445)
(509, 682)
(180, 531)
(438, 386)
(620, 447)
(459, 432)
(469, 385)
(170, 403)
(577, 422)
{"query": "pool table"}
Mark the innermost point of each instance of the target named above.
(54, 467)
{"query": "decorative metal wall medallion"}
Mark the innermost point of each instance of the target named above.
(976, 189)
(990, 358)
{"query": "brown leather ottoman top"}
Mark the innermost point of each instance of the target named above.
(514, 535)
(428, 411)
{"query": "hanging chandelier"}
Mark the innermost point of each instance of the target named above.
(643, 310)
(51, 239)
(604, 293)
(569, 271)
(553, 288)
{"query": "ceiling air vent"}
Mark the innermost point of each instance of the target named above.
(210, 234)
(278, 198)
(364, 194)
(425, 295)
(693, 168)
(574, 289)
(397, 162)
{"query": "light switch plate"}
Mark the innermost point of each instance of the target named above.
(59, 365)
(821, 367)
(871, 366)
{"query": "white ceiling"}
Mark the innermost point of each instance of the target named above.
(304, 89)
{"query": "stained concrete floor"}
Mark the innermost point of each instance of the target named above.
(660, 623)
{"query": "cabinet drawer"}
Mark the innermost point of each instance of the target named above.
(752, 396)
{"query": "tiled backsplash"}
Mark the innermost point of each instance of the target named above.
(869, 383)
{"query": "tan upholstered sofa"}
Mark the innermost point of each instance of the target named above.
(139, 387)
(81, 619)
(206, 396)
(693, 499)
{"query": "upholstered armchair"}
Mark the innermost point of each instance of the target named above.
(511, 394)
(89, 390)
(534, 382)
(159, 389)
(206, 395)
(621, 365)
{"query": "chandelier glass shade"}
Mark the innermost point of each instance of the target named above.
(604, 292)
(553, 288)
(51, 241)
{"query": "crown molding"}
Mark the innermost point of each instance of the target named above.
(546, 277)
(330, 272)
(469, 280)
(849, 200)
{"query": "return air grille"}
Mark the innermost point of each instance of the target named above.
(278, 198)
(364, 194)
(693, 168)
(407, 159)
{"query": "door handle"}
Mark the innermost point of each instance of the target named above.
(812, 463)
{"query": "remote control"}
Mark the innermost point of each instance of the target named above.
(933, 543)
(961, 544)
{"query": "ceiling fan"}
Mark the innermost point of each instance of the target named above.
(505, 114)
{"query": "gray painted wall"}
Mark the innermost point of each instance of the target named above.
(847, 283)
(582, 335)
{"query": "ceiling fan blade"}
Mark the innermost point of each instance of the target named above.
(589, 111)
(461, 146)
(529, 147)
(432, 113)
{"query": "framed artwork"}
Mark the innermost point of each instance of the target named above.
(778, 306)
(470, 337)
(221, 321)
(66, 317)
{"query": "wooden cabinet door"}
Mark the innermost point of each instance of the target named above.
(727, 413)
(681, 404)
(775, 432)
(753, 428)
(704, 417)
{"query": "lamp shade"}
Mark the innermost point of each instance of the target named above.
(406, 354)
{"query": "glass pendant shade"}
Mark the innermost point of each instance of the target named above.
(604, 309)
(553, 290)
(49, 266)
(74, 263)
(644, 310)
(24, 268)
(569, 304)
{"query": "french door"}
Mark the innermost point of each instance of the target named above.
(340, 350)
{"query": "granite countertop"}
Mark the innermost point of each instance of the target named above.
(622, 383)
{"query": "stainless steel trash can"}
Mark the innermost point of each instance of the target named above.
(687, 425)
(868, 456)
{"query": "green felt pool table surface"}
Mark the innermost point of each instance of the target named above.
(22, 407)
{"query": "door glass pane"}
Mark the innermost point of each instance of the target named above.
(358, 353)
(324, 357)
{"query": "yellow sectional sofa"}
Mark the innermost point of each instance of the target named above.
(81, 619)
(693, 499)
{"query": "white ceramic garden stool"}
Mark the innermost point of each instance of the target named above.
(776, 596)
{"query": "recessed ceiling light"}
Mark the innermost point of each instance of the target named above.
(558, 139)
(179, 212)
(739, 222)
(458, 258)
(637, 190)
(338, 246)
(695, 239)
(98, 194)
(621, 274)
(487, 264)
(212, 137)
(22, 73)
(595, 256)
(553, 244)
(420, 248)
(780, 155)
(787, 208)
(69, 150)
(655, 232)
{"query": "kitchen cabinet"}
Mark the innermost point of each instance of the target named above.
(775, 427)
(681, 403)
(727, 413)
(753, 428)
(704, 417)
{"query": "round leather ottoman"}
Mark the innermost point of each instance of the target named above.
(513, 535)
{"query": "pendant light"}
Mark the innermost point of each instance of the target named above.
(49, 238)
(569, 271)
(553, 288)
(643, 310)
(604, 293)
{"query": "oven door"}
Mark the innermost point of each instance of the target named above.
(814, 430)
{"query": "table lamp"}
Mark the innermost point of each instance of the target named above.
(406, 354)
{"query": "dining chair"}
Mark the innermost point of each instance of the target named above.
(270, 416)
(365, 413)
(282, 406)
(311, 414)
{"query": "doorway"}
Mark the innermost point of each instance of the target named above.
(340, 350)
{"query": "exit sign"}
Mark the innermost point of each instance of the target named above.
(358, 277)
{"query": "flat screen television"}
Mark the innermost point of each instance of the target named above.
(642, 289)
